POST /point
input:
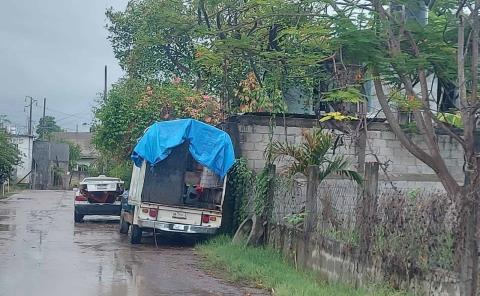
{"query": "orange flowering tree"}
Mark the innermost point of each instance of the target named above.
(133, 105)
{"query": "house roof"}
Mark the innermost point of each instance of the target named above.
(83, 139)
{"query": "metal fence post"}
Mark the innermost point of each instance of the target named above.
(311, 200)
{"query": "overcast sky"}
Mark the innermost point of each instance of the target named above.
(55, 49)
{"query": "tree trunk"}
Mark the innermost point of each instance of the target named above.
(466, 247)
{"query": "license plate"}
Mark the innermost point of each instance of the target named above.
(178, 227)
(179, 215)
(102, 186)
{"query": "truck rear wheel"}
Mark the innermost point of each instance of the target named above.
(135, 234)
(123, 225)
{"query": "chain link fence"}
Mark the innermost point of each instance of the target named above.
(412, 229)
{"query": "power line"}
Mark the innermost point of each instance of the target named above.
(68, 114)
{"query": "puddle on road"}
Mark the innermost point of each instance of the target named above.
(7, 212)
(6, 227)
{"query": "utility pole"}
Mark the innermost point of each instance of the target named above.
(30, 105)
(44, 106)
(105, 84)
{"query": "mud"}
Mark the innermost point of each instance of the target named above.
(43, 252)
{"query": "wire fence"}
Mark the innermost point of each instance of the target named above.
(411, 229)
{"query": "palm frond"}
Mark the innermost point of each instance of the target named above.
(352, 175)
(340, 166)
(295, 154)
(313, 151)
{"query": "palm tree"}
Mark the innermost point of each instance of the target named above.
(314, 152)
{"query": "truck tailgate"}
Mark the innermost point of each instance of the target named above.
(181, 215)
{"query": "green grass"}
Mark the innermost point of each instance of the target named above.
(266, 268)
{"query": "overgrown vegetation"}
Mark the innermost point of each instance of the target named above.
(245, 52)
(132, 105)
(9, 156)
(249, 190)
(240, 179)
(414, 232)
(314, 151)
(74, 154)
(267, 269)
(260, 190)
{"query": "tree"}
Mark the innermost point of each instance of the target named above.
(74, 155)
(9, 156)
(46, 127)
(248, 53)
(403, 52)
(133, 105)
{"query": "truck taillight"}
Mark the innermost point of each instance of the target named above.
(213, 218)
(153, 213)
(205, 218)
(145, 210)
(80, 198)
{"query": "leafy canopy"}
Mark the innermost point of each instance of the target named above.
(132, 105)
(224, 46)
(46, 126)
(9, 156)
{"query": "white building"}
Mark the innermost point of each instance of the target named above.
(25, 146)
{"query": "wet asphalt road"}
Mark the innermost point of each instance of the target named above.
(43, 252)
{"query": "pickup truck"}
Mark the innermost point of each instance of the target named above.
(178, 180)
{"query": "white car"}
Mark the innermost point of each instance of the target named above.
(98, 196)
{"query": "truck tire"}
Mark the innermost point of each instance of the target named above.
(123, 225)
(250, 232)
(135, 234)
(77, 217)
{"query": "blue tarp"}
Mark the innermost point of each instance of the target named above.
(209, 146)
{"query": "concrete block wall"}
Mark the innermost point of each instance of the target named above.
(404, 171)
(386, 146)
(336, 261)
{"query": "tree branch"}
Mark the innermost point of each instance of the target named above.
(448, 130)
(175, 61)
(201, 5)
(442, 172)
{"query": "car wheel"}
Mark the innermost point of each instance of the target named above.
(78, 217)
(123, 225)
(135, 234)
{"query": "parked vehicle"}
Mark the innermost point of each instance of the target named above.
(98, 196)
(178, 179)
